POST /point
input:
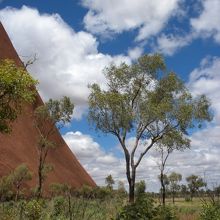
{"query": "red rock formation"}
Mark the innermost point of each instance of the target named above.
(20, 145)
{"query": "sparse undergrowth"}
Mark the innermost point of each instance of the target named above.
(58, 208)
(61, 208)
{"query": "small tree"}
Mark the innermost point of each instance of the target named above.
(140, 188)
(165, 147)
(139, 101)
(5, 187)
(54, 114)
(16, 88)
(174, 179)
(164, 182)
(184, 191)
(194, 184)
(109, 181)
(121, 188)
(19, 176)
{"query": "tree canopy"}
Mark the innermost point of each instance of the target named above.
(16, 88)
(145, 101)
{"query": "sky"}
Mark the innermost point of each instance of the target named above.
(75, 40)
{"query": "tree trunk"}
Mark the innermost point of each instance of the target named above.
(132, 186)
(40, 178)
(17, 193)
(163, 189)
(131, 192)
(173, 198)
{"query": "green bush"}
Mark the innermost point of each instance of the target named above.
(59, 204)
(210, 211)
(8, 212)
(165, 213)
(142, 209)
(33, 209)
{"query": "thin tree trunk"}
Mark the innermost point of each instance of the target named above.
(39, 188)
(17, 194)
(132, 186)
(163, 189)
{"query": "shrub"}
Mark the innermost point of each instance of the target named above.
(165, 213)
(210, 211)
(142, 209)
(33, 209)
(59, 204)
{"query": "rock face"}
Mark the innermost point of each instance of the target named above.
(20, 145)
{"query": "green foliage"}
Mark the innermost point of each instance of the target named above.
(141, 100)
(165, 213)
(145, 209)
(210, 211)
(194, 184)
(16, 88)
(86, 191)
(121, 189)
(11, 184)
(57, 189)
(140, 188)
(19, 176)
(59, 204)
(109, 181)
(53, 113)
(102, 193)
(5, 188)
(174, 179)
(57, 112)
(33, 209)
(8, 211)
(142, 209)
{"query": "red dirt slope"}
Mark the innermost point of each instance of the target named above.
(20, 145)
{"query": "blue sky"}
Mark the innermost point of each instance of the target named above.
(75, 40)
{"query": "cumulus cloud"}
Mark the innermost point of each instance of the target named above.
(204, 26)
(99, 163)
(202, 159)
(135, 53)
(207, 24)
(94, 158)
(67, 60)
(206, 80)
(112, 16)
(169, 44)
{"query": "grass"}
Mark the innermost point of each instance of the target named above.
(187, 210)
(86, 209)
(58, 209)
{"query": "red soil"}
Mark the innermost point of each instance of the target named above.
(20, 145)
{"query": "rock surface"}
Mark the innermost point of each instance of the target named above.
(20, 145)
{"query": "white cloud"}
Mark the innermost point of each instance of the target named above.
(202, 159)
(94, 158)
(207, 24)
(67, 60)
(113, 16)
(135, 53)
(206, 80)
(169, 44)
